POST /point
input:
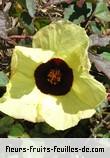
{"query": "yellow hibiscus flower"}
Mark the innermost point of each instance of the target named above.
(51, 82)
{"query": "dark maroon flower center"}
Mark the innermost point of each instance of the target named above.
(54, 77)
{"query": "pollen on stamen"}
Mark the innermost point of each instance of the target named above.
(54, 76)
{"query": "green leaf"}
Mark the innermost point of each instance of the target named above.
(3, 79)
(89, 6)
(107, 135)
(41, 22)
(31, 6)
(22, 3)
(5, 124)
(106, 55)
(79, 20)
(17, 130)
(26, 22)
(46, 129)
(91, 1)
(95, 28)
(68, 12)
(102, 12)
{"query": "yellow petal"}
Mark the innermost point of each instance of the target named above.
(67, 40)
(26, 60)
(25, 107)
(88, 90)
(65, 111)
